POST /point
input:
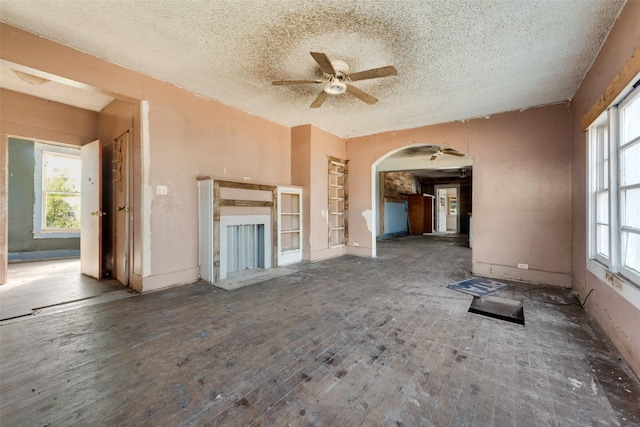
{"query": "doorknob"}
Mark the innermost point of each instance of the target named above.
(123, 208)
(98, 213)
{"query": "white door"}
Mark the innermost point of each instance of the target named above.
(442, 210)
(91, 210)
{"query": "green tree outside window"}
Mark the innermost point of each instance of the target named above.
(61, 191)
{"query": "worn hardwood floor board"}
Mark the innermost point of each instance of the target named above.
(253, 367)
(373, 360)
(337, 360)
(404, 392)
(329, 372)
(163, 358)
(253, 400)
(328, 358)
(371, 399)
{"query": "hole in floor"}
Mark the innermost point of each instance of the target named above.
(498, 308)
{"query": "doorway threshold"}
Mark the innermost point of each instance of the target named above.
(71, 305)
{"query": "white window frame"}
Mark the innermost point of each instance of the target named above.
(634, 275)
(611, 269)
(39, 231)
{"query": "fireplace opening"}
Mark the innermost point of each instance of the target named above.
(245, 247)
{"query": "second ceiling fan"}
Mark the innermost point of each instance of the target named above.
(337, 79)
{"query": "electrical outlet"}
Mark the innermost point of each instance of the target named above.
(356, 244)
(161, 190)
(523, 266)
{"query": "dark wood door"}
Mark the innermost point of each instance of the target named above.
(416, 214)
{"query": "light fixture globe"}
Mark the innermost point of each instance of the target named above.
(335, 87)
(30, 78)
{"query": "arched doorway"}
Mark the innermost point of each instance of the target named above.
(422, 189)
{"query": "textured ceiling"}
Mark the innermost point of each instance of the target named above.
(455, 59)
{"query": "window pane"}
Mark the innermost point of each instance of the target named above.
(631, 251)
(602, 240)
(630, 165)
(630, 203)
(631, 121)
(61, 173)
(602, 208)
(602, 169)
(62, 211)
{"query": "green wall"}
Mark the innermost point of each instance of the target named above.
(21, 205)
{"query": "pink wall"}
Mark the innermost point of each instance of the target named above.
(521, 189)
(309, 163)
(619, 318)
(300, 176)
(195, 137)
(188, 137)
(28, 117)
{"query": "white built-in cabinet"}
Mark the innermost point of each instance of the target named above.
(337, 202)
(245, 226)
(289, 225)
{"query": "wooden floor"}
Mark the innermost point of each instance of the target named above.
(349, 341)
(36, 287)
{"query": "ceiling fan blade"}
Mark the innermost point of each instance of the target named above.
(319, 100)
(433, 158)
(374, 73)
(294, 82)
(453, 152)
(361, 94)
(324, 63)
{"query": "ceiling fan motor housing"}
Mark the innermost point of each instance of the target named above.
(341, 68)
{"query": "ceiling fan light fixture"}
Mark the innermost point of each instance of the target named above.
(335, 87)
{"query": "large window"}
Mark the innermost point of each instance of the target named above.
(57, 186)
(614, 176)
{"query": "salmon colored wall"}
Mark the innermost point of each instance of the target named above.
(301, 176)
(310, 148)
(188, 136)
(33, 118)
(521, 189)
(618, 317)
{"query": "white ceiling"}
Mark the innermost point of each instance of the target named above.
(455, 59)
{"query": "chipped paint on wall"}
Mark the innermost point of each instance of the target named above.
(368, 217)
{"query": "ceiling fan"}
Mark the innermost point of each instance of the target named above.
(337, 79)
(434, 151)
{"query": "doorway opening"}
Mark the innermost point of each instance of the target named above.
(447, 218)
(48, 189)
(423, 190)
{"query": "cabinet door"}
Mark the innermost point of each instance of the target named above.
(289, 225)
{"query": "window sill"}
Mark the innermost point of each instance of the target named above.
(56, 235)
(629, 290)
